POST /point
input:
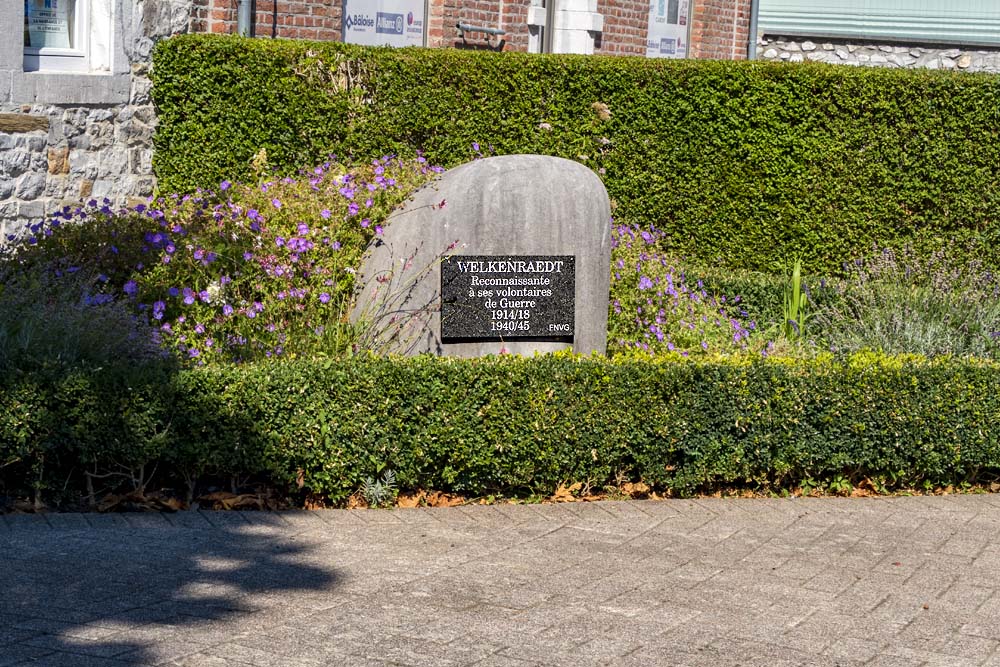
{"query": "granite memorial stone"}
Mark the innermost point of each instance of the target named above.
(505, 254)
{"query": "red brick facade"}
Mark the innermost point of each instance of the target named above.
(625, 25)
(292, 19)
(719, 28)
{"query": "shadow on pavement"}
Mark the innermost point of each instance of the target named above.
(107, 591)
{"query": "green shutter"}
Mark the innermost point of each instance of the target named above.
(934, 21)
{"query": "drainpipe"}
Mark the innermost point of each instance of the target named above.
(246, 18)
(548, 36)
(752, 39)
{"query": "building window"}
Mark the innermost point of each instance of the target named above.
(965, 22)
(67, 35)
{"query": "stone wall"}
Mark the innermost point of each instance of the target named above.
(857, 52)
(67, 137)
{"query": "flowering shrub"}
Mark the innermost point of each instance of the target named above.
(899, 302)
(655, 307)
(245, 272)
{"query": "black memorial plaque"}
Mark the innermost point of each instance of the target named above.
(498, 297)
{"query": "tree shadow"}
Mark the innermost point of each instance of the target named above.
(139, 589)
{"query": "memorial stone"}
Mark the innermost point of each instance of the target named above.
(504, 254)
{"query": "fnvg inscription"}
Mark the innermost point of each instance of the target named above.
(490, 297)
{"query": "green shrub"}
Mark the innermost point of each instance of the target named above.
(513, 425)
(740, 163)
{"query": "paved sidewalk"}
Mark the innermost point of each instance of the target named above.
(882, 581)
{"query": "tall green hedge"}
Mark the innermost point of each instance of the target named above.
(510, 424)
(749, 162)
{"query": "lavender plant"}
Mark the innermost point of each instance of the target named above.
(246, 272)
(50, 315)
(899, 302)
(657, 308)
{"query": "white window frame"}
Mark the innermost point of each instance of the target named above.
(93, 22)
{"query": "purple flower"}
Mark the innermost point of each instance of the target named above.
(645, 283)
(325, 213)
(158, 309)
(303, 229)
(199, 254)
(475, 146)
(227, 310)
(247, 256)
(276, 203)
(188, 296)
(224, 185)
(204, 296)
(324, 298)
(173, 291)
(130, 288)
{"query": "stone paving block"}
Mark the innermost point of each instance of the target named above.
(91, 647)
(26, 522)
(112, 521)
(67, 520)
(853, 651)
(189, 519)
(77, 660)
(224, 520)
(499, 660)
(259, 658)
(14, 654)
(146, 520)
(202, 659)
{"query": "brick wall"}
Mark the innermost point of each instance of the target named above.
(720, 29)
(293, 19)
(626, 23)
(509, 15)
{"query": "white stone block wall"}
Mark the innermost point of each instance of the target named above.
(857, 52)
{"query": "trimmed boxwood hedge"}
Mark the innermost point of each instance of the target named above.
(749, 163)
(511, 425)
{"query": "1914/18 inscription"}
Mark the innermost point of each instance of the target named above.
(495, 297)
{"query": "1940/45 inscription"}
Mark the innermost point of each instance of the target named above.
(488, 297)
